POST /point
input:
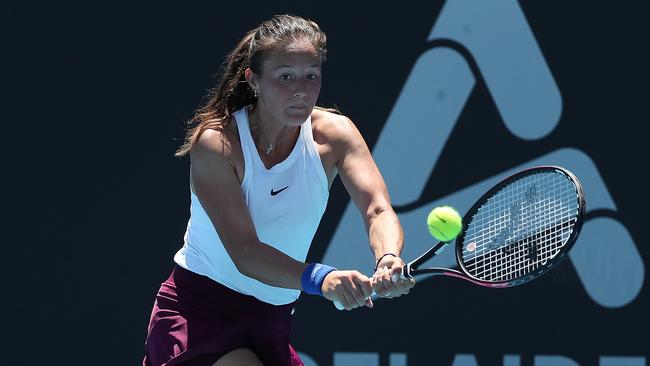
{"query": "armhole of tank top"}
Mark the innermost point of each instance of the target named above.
(313, 151)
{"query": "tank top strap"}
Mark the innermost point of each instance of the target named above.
(307, 135)
(247, 145)
(312, 149)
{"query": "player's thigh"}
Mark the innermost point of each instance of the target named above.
(239, 356)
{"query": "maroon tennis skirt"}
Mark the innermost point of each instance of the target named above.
(196, 320)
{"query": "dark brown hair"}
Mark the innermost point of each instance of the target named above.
(233, 92)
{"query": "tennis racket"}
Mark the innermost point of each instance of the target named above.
(515, 232)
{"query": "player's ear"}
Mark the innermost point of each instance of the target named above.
(251, 79)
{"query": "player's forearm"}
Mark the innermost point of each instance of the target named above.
(270, 266)
(385, 234)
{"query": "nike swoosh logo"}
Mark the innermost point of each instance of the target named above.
(273, 193)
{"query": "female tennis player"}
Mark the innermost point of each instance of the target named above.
(263, 157)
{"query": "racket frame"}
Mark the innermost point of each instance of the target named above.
(412, 268)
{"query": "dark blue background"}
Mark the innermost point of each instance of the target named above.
(94, 100)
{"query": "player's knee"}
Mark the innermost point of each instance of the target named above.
(239, 356)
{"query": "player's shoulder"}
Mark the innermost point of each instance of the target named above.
(218, 139)
(329, 126)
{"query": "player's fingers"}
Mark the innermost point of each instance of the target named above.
(409, 283)
(374, 281)
(362, 286)
(359, 294)
(396, 285)
(378, 288)
(344, 293)
(383, 280)
(391, 285)
(355, 295)
(404, 283)
(343, 298)
(377, 283)
(396, 274)
(391, 289)
(366, 287)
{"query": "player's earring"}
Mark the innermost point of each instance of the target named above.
(255, 92)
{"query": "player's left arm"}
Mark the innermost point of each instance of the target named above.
(367, 188)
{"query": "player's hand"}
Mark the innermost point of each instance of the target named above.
(350, 288)
(388, 280)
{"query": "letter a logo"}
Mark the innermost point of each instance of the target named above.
(496, 38)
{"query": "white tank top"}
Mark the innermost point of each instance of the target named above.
(286, 203)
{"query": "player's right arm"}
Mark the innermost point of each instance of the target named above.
(217, 187)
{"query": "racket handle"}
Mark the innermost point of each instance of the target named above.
(394, 279)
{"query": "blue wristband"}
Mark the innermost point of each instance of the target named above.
(313, 277)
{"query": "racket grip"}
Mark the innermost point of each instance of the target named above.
(394, 278)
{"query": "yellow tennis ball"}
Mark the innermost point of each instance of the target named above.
(444, 223)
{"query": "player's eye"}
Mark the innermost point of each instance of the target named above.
(285, 77)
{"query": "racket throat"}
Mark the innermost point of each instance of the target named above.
(406, 271)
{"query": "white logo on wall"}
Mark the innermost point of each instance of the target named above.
(499, 39)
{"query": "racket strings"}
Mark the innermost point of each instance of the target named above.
(521, 227)
(517, 264)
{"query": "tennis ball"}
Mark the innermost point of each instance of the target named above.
(444, 223)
